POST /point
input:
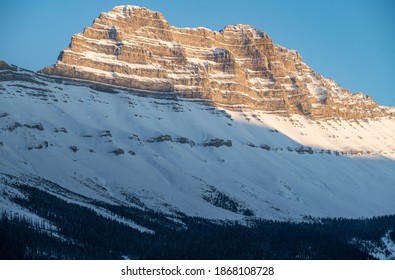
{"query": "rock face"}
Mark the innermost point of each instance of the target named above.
(238, 66)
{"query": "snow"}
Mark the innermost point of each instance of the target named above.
(125, 9)
(111, 60)
(257, 81)
(169, 176)
(108, 74)
(385, 250)
(388, 252)
(317, 91)
(6, 206)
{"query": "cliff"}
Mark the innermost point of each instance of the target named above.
(238, 66)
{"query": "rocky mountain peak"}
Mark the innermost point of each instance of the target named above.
(237, 67)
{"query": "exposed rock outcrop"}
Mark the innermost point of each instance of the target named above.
(238, 66)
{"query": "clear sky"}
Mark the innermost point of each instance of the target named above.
(351, 41)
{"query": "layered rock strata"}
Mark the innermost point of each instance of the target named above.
(238, 66)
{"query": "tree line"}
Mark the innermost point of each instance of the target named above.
(78, 232)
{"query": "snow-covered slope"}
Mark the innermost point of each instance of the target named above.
(175, 155)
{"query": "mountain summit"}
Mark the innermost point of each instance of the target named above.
(112, 123)
(150, 141)
(238, 66)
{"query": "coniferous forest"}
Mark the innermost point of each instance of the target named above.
(77, 232)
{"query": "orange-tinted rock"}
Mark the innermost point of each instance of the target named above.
(239, 65)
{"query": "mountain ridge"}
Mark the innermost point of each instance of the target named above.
(246, 162)
(236, 67)
(194, 155)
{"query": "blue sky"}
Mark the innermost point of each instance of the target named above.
(351, 41)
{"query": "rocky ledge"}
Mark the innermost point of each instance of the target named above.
(238, 66)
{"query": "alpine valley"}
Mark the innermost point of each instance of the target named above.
(147, 141)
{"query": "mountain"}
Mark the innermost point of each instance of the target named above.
(149, 133)
(238, 66)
